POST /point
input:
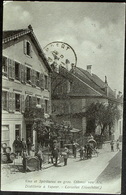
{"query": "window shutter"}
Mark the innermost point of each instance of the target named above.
(32, 76)
(10, 101)
(26, 102)
(34, 101)
(49, 83)
(13, 69)
(25, 47)
(9, 69)
(7, 101)
(22, 103)
(22, 70)
(34, 73)
(25, 74)
(40, 80)
(31, 51)
(43, 81)
(13, 102)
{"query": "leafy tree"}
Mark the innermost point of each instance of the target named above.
(103, 115)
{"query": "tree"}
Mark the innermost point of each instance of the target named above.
(103, 115)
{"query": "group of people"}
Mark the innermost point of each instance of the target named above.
(112, 143)
(19, 146)
(56, 153)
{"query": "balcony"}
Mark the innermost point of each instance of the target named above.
(33, 113)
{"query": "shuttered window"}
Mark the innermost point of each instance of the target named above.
(11, 102)
(37, 79)
(46, 82)
(17, 71)
(28, 75)
(5, 100)
(17, 102)
(17, 131)
(22, 73)
(11, 69)
(5, 66)
(5, 134)
(22, 103)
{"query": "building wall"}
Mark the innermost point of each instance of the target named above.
(15, 50)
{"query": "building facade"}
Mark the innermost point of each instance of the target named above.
(73, 91)
(25, 84)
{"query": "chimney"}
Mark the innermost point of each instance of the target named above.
(73, 68)
(89, 69)
(30, 27)
(106, 80)
(106, 86)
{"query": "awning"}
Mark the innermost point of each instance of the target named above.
(74, 130)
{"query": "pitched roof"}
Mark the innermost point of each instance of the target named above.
(93, 81)
(14, 34)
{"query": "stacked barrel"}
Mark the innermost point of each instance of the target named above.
(6, 155)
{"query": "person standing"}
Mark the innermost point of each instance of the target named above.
(65, 155)
(24, 146)
(24, 161)
(29, 144)
(17, 145)
(81, 153)
(55, 154)
(75, 149)
(40, 157)
(112, 146)
(117, 145)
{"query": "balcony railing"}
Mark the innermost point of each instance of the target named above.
(33, 113)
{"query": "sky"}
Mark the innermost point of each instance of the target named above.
(94, 30)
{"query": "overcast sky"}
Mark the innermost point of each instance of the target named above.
(94, 30)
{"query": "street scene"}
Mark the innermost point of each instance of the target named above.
(62, 97)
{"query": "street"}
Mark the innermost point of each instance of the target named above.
(78, 176)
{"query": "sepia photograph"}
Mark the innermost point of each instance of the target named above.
(62, 97)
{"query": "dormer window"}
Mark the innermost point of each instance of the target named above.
(27, 48)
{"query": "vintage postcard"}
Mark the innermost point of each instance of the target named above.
(62, 97)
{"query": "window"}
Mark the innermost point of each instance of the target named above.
(37, 79)
(17, 71)
(46, 82)
(4, 66)
(28, 75)
(17, 131)
(4, 100)
(28, 48)
(38, 100)
(17, 102)
(46, 106)
(5, 134)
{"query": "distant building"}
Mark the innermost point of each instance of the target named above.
(74, 91)
(25, 84)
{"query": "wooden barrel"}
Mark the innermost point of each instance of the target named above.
(4, 158)
(33, 164)
(12, 156)
(8, 150)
